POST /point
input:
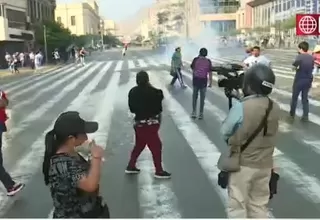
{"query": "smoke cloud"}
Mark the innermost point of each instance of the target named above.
(207, 38)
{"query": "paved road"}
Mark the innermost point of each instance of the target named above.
(191, 147)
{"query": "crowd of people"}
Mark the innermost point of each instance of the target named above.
(249, 130)
(33, 60)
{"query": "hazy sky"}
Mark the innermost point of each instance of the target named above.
(117, 9)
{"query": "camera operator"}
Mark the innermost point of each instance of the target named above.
(250, 130)
(256, 58)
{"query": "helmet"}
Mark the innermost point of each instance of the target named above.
(259, 79)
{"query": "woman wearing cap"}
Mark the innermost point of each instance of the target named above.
(73, 182)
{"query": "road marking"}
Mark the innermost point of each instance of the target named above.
(142, 63)
(52, 86)
(204, 149)
(131, 64)
(306, 185)
(104, 114)
(32, 83)
(31, 161)
(118, 66)
(153, 62)
(17, 82)
(156, 197)
(41, 110)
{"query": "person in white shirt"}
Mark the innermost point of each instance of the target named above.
(8, 58)
(56, 56)
(31, 57)
(21, 58)
(37, 61)
(256, 58)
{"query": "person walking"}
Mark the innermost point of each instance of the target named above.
(11, 186)
(176, 65)
(145, 102)
(201, 69)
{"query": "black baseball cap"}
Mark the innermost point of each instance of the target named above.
(70, 123)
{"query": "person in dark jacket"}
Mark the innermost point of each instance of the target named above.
(145, 102)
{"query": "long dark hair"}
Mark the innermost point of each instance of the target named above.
(52, 143)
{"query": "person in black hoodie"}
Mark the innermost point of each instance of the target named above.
(145, 102)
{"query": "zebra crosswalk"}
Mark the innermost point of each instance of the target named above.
(191, 148)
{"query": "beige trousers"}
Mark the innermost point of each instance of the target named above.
(248, 192)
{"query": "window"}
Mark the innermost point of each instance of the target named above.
(73, 20)
(38, 10)
(59, 20)
(16, 19)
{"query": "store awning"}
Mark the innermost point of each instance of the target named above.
(256, 3)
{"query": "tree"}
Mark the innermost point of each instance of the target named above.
(57, 36)
(289, 23)
(111, 40)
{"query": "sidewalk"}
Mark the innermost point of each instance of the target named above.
(27, 70)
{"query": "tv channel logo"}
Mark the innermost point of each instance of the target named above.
(308, 24)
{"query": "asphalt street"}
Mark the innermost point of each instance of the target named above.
(191, 148)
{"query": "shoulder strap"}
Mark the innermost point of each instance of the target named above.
(262, 125)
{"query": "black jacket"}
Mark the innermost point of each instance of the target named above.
(145, 102)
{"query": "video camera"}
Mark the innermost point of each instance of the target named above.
(233, 79)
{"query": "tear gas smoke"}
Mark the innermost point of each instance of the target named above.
(190, 47)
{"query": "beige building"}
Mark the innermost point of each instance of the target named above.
(109, 27)
(81, 18)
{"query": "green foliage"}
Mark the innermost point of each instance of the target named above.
(111, 40)
(57, 36)
(289, 23)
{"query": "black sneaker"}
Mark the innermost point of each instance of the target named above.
(162, 175)
(132, 170)
(200, 117)
(15, 189)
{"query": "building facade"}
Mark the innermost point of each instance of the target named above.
(268, 12)
(80, 18)
(40, 10)
(219, 15)
(109, 27)
(244, 15)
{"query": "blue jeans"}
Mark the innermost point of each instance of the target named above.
(195, 93)
(5, 178)
(300, 86)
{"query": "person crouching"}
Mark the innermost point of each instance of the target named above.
(145, 102)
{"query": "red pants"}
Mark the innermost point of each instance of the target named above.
(147, 135)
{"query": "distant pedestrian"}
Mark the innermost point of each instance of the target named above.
(176, 65)
(73, 181)
(37, 61)
(11, 186)
(145, 102)
(201, 69)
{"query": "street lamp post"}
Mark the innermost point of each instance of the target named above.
(45, 42)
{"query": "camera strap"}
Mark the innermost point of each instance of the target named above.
(263, 124)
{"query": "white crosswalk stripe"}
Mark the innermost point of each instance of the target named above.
(99, 92)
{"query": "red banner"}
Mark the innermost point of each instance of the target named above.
(308, 24)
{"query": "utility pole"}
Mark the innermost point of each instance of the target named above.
(187, 16)
(45, 42)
